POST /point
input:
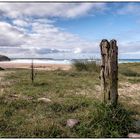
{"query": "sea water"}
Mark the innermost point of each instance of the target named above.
(41, 61)
(64, 61)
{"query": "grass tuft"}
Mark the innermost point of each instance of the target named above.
(106, 122)
(84, 65)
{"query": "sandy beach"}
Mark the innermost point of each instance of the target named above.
(39, 66)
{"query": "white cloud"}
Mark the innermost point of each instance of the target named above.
(42, 39)
(77, 50)
(129, 49)
(67, 10)
(32, 28)
(130, 8)
(19, 22)
(10, 35)
(29, 36)
(132, 53)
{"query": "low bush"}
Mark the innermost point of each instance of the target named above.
(130, 73)
(84, 65)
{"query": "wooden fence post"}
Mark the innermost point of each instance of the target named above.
(33, 74)
(109, 71)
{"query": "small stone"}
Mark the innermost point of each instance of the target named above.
(137, 124)
(2, 89)
(45, 100)
(14, 96)
(133, 135)
(72, 122)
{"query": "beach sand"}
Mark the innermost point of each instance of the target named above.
(39, 66)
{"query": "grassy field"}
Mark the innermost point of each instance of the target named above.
(74, 94)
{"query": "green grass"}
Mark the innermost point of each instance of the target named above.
(73, 95)
(106, 122)
(131, 72)
(32, 119)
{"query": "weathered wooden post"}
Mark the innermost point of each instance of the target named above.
(32, 71)
(109, 71)
(33, 74)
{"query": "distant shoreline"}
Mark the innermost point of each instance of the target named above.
(64, 61)
(55, 58)
(48, 64)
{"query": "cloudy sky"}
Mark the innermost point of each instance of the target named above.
(68, 29)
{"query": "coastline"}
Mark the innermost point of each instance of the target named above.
(46, 64)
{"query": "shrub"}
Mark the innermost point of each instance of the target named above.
(84, 65)
(129, 73)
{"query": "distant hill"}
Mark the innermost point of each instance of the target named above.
(4, 58)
